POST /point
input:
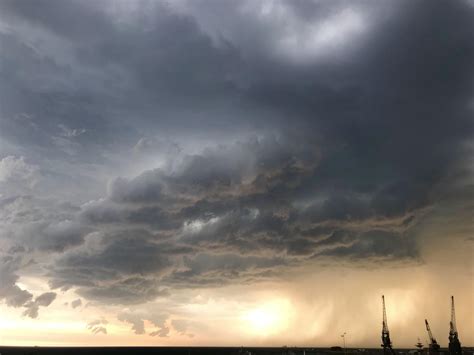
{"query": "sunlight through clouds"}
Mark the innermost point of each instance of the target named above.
(269, 318)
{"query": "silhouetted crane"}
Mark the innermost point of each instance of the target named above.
(454, 343)
(434, 346)
(386, 342)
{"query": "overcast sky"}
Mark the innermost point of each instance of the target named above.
(235, 172)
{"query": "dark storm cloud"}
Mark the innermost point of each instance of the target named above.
(120, 268)
(217, 270)
(142, 69)
(371, 244)
(354, 141)
(13, 295)
(40, 224)
(64, 18)
(243, 227)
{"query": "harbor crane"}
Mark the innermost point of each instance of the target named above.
(386, 342)
(454, 343)
(434, 346)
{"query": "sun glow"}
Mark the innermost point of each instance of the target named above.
(268, 318)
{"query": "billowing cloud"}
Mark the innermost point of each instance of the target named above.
(40, 223)
(138, 324)
(43, 300)
(10, 292)
(203, 145)
(17, 176)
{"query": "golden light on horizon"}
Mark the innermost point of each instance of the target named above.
(268, 318)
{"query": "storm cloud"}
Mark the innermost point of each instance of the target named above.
(202, 144)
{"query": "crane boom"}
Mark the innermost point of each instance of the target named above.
(384, 321)
(454, 343)
(428, 329)
(434, 346)
(453, 317)
(386, 342)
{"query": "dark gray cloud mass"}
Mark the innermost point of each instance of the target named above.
(11, 293)
(238, 139)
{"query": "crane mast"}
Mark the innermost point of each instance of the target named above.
(386, 342)
(434, 346)
(454, 343)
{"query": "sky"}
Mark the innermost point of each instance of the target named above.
(207, 172)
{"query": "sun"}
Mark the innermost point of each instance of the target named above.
(268, 318)
(261, 319)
